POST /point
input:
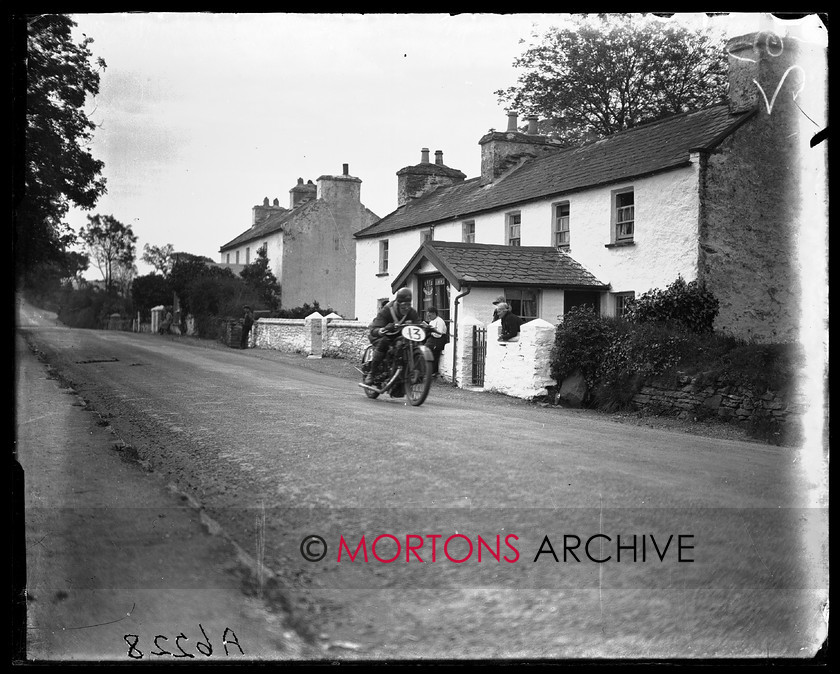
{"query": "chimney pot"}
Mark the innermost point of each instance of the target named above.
(511, 121)
(532, 125)
(276, 201)
(300, 181)
(438, 156)
(265, 201)
(424, 155)
(346, 168)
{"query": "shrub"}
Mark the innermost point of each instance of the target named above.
(301, 312)
(688, 304)
(580, 342)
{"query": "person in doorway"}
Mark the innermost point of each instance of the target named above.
(397, 312)
(437, 339)
(247, 324)
(509, 330)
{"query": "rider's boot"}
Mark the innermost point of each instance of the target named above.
(370, 378)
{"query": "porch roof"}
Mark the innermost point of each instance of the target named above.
(480, 264)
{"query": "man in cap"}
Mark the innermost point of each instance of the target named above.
(397, 312)
(509, 331)
(499, 300)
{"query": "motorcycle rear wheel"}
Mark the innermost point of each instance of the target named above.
(418, 378)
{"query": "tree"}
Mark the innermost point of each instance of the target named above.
(111, 246)
(150, 291)
(159, 257)
(258, 276)
(608, 73)
(57, 166)
(188, 269)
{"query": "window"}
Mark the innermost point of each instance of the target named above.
(514, 227)
(429, 234)
(523, 302)
(247, 256)
(622, 301)
(468, 232)
(237, 257)
(435, 294)
(623, 216)
(227, 258)
(383, 257)
(561, 225)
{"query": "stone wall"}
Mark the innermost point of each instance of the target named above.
(692, 398)
(521, 368)
(281, 334)
(346, 339)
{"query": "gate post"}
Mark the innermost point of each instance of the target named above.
(316, 326)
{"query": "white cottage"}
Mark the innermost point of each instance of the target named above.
(711, 195)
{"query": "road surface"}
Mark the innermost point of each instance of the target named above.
(597, 540)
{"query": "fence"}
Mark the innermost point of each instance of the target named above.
(479, 353)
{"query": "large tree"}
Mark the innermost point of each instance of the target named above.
(53, 82)
(606, 73)
(159, 257)
(111, 247)
(259, 276)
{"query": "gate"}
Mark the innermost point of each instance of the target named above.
(479, 342)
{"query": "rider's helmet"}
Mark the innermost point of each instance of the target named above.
(403, 301)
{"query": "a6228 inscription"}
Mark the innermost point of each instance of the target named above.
(161, 645)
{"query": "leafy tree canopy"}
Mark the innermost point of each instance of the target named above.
(607, 73)
(159, 257)
(111, 247)
(58, 168)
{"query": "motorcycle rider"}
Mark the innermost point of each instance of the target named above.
(395, 313)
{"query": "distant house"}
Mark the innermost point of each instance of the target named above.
(310, 245)
(713, 195)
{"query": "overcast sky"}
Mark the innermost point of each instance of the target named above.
(201, 116)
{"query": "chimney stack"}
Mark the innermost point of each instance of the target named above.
(532, 124)
(439, 157)
(511, 121)
(424, 155)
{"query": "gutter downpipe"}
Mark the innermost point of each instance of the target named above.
(455, 336)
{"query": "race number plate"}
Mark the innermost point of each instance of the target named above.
(414, 333)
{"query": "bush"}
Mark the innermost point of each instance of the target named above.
(690, 305)
(301, 312)
(215, 298)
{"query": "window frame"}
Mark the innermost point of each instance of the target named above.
(468, 231)
(555, 226)
(616, 196)
(383, 256)
(516, 303)
(439, 297)
(237, 257)
(247, 255)
(619, 305)
(510, 224)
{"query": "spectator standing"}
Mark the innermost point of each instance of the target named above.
(247, 324)
(437, 339)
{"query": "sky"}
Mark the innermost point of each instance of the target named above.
(200, 116)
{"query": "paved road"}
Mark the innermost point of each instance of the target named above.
(275, 452)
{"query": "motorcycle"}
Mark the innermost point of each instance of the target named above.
(406, 369)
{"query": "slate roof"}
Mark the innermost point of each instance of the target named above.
(646, 149)
(268, 226)
(478, 264)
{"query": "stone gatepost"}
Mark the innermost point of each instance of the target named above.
(521, 369)
(157, 318)
(462, 374)
(316, 328)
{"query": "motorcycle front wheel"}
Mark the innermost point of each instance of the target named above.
(418, 379)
